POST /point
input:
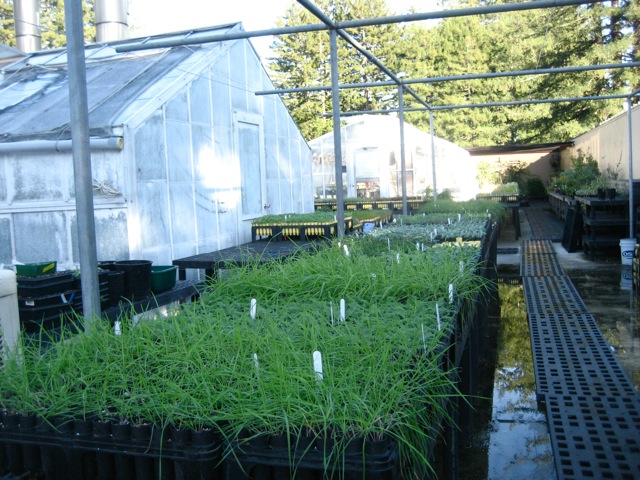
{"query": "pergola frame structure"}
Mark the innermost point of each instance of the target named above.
(77, 83)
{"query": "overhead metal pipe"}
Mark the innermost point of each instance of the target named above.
(83, 180)
(483, 105)
(150, 44)
(111, 143)
(462, 12)
(451, 78)
(403, 163)
(201, 38)
(530, 102)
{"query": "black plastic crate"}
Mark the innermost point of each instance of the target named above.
(33, 287)
(48, 300)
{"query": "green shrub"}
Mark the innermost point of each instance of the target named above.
(583, 172)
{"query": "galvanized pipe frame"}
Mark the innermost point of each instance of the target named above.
(453, 78)
(411, 17)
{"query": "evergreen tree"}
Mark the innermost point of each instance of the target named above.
(304, 60)
(7, 30)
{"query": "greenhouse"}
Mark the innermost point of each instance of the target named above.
(371, 162)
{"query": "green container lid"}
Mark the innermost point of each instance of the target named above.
(36, 269)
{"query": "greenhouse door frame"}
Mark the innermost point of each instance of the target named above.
(248, 136)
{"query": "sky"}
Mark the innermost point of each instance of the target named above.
(152, 17)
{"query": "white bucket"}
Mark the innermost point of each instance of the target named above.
(627, 246)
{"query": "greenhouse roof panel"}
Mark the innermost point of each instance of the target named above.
(34, 91)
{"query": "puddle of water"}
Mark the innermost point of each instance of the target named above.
(511, 439)
(612, 300)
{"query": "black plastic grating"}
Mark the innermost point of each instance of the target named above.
(540, 265)
(571, 356)
(552, 296)
(595, 436)
(530, 247)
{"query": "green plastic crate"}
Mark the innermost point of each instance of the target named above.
(36, 269)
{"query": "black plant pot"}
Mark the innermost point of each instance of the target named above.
(137, 278)
(601, 193)
(141, 435)
(115, 280)
(610, 193)
(11, 421)
(124, 464)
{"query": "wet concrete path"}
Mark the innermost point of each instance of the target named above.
(511, 439)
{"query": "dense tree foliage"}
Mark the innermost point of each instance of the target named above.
(605, 32)
(51, 22)
(303, 60)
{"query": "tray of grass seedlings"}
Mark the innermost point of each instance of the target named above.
(330, 363)
(469, 207)
(315, 224)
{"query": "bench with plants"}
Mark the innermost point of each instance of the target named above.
(336, 364)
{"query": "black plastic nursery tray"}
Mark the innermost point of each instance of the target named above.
(310, 458)
(301, 230)
(103, 450)
(32, 287)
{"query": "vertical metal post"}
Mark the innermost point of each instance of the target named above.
(433, 157)
(403, 163)
(78, 106)
(337, 140)
(632, 213)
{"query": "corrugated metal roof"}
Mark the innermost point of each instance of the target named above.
(34, 95)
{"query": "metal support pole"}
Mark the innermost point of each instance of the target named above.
(337, 140)
(632, 213)
(403, 163)
(82, 161)
(433, 157)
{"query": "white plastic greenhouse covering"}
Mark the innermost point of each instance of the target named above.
(371, 161)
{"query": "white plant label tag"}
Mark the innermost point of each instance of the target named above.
(331, 311)
(317, 364)
(253, 308)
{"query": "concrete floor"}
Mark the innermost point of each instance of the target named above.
(511, 438)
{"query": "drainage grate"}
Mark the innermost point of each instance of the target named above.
(537, 246)
(540, 265)
(595, 436)
(571, 356)
(552, 297)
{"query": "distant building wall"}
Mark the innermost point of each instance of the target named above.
(537, 163)
(608, 143)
